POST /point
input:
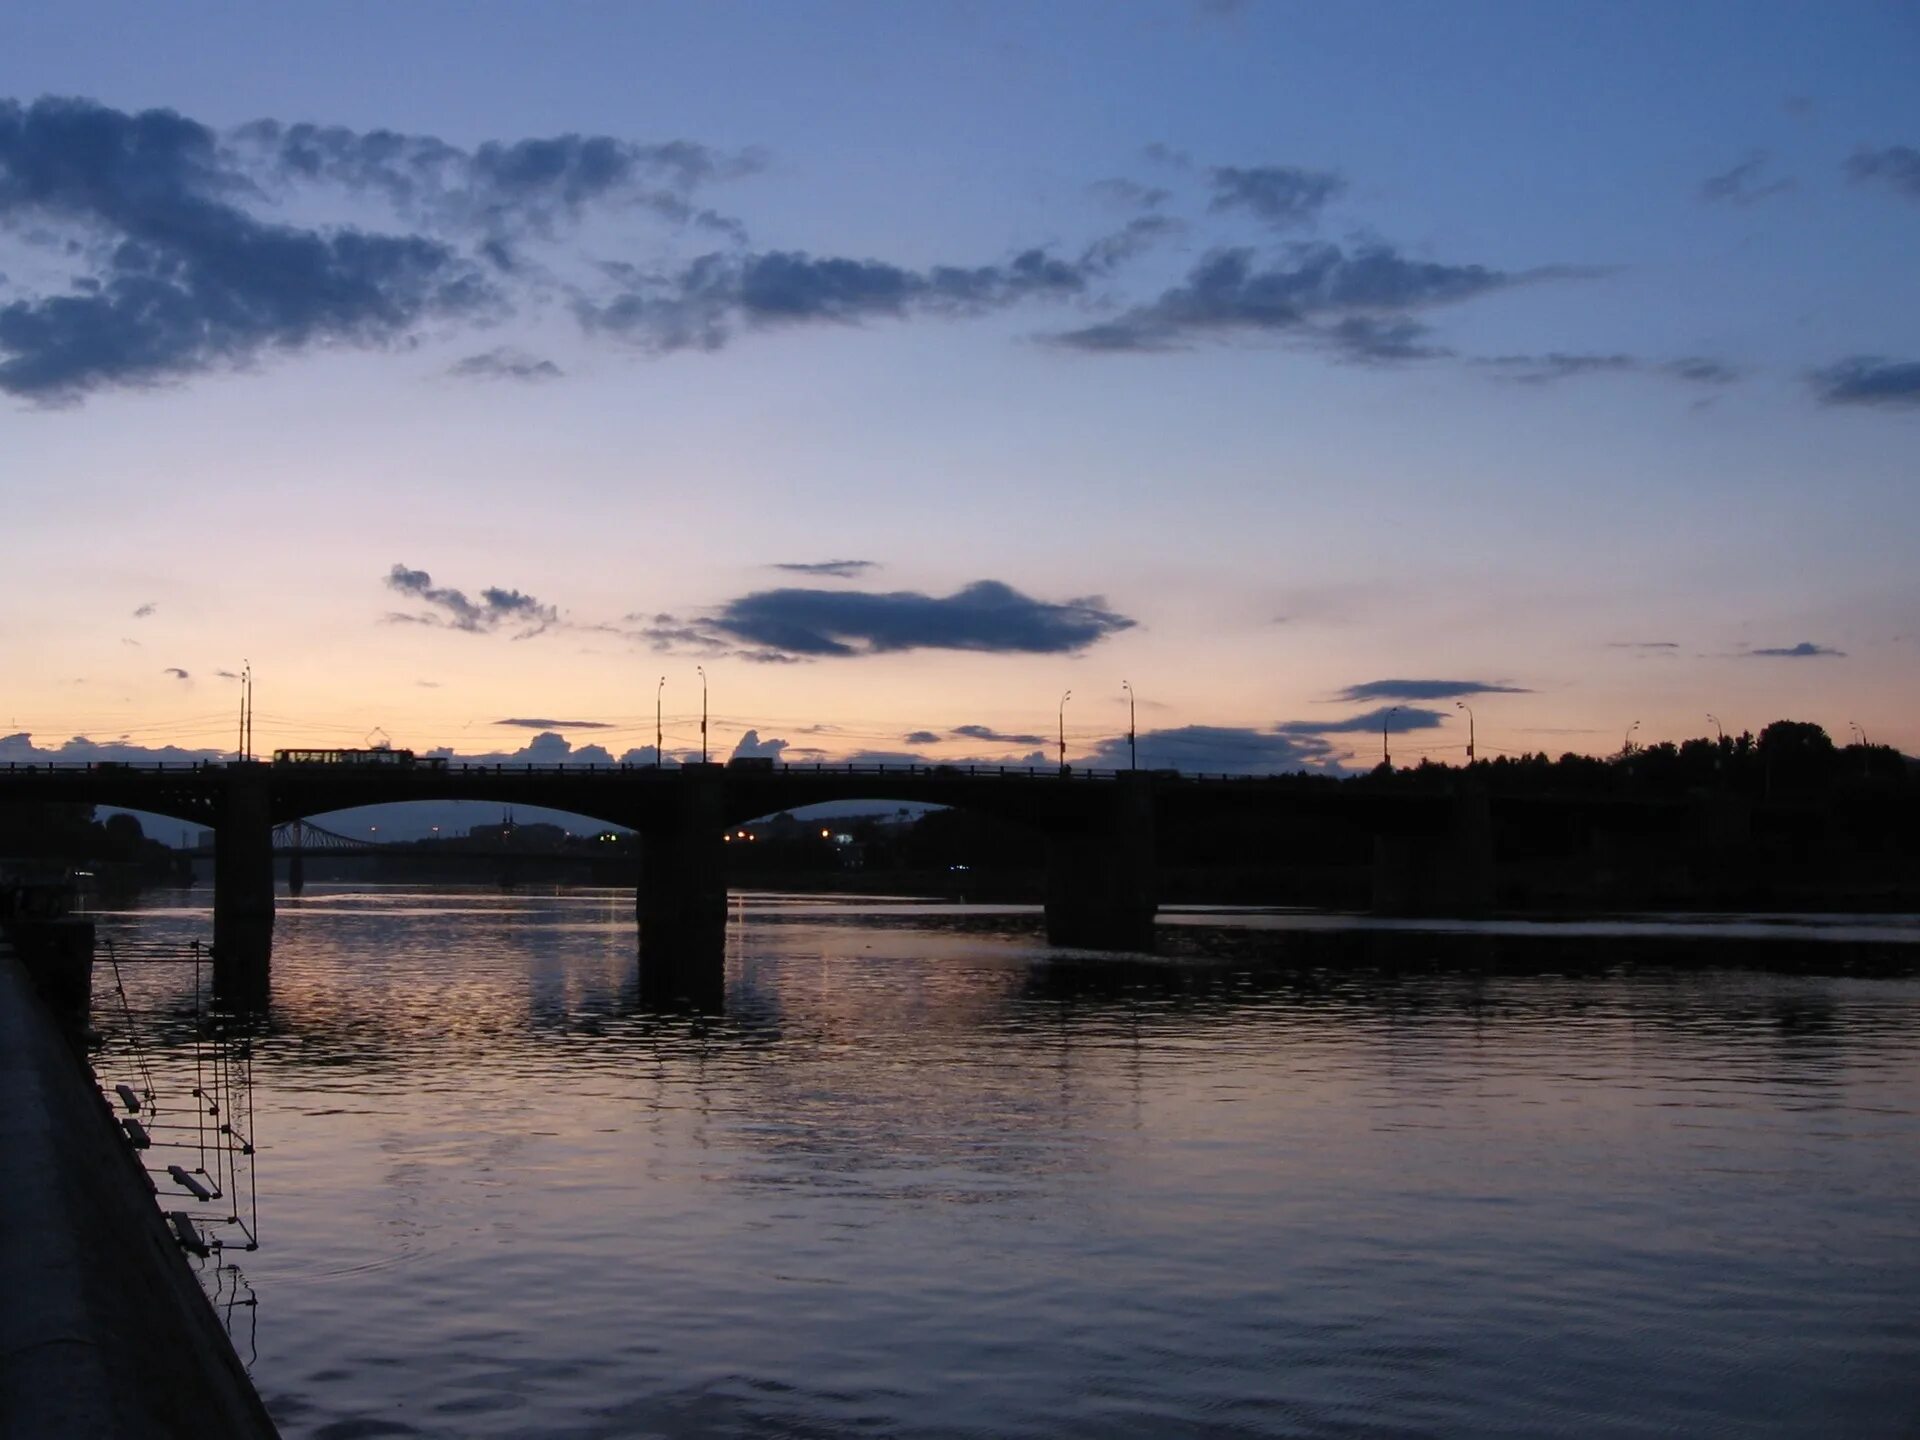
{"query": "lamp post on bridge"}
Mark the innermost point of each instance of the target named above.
(659, 755)
(1386, 754)
(1063, 730)
(1133, 754)
(245, 749)
(703, 712)
(1462, 705)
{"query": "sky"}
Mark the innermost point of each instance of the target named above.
(469, 371)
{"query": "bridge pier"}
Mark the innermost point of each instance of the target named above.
(681, 904)
(1444, 872)
(1101, 888)
(243, 887)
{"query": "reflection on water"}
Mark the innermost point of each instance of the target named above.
(919, 1175)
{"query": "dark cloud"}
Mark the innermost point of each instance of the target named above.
(1228, 293)
(1395, 718)
(986, 615)
(145, 610)
(1660, 645)
(180, 279)
(176, 672)
(1895, 165)
(225, 675)
(505, 363)
(494, 608)
(1425, 690)
(832, 569)
(918, 737)
(1743, 185)
(539, 724)
(1869, 380)
(701, 305)
(501, 189)
(1283, 196)
(988, 733)
(1367, 340)
(1216, 749)
(1805, 650)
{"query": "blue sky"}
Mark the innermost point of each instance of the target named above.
(1251, 353)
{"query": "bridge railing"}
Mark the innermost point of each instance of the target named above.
(876, 768)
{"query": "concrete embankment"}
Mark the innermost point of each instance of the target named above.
(104, 1332)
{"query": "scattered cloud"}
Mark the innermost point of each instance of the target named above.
(1393, 718)
(1664, 649)
(500, 189)
(829, 569)
(1217, 749)
(145, 610)
(1131, 194)
(988, 733)
(1869, 380)
(176, 672)
(1805, 650)
(1425, 690)
(453, 610)
(751, 746)
(505, 363)
(1557, 365)
(1894, 165)
(1229, 293)
(704, 303)
(19, 749)
(541, 724)
(986, 615)
(920, 737)
(1743, 184)
(1282, 196)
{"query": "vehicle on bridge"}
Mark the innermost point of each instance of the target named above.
(382, 757)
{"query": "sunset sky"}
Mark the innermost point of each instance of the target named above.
(467, 369)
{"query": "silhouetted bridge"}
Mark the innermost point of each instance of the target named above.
(1100, 826)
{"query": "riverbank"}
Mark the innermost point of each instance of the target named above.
(105, 1331)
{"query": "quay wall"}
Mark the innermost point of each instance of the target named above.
(104, 1331)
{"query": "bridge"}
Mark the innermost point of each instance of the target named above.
(1099, 827)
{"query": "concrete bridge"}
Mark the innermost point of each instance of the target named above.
(1431, 850)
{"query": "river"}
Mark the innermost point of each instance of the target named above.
(1298, 1175)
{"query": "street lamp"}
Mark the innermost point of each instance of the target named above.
(1719, 729)
(658, 753)
(1462, 705)
(1386, 755)
(1626, 742)
(1063, 730)
(703, 712)
(1133, 754)
(246, 711)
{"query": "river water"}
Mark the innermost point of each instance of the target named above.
(1299, 1175)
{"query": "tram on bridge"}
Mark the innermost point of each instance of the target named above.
(379, 757)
